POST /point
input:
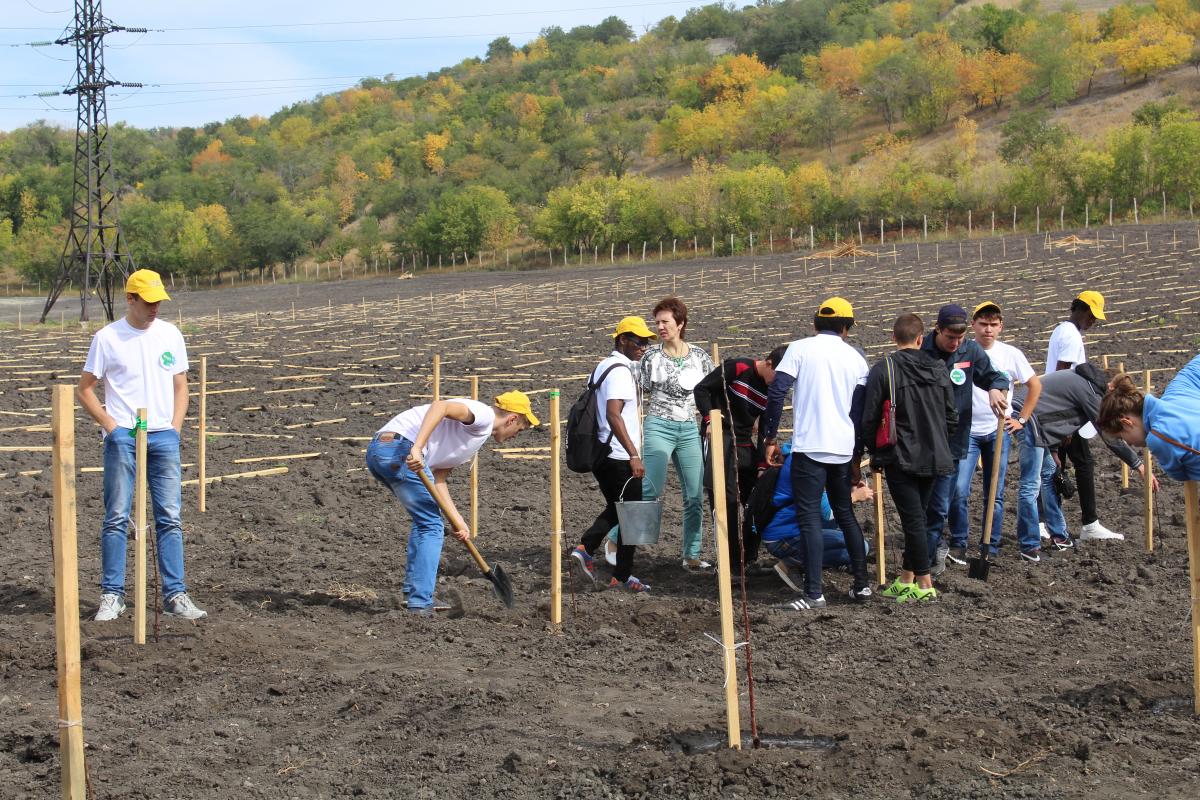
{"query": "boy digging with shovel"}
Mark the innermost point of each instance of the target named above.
(435, 439)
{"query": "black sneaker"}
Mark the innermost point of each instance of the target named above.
(958, 555)
(1031, 555)
(1061, 542)
(861, 594)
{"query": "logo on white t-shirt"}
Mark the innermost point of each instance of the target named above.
(166, 360)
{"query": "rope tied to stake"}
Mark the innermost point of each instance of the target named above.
(732, 649)
(139, 425)
(70, 723)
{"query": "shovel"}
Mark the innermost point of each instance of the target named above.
(978, 568)
(501, 584)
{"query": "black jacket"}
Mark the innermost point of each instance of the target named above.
(925, 413)
(969, 365)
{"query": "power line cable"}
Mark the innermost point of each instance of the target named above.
(442, 18)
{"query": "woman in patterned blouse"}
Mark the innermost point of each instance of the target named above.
(668, 373)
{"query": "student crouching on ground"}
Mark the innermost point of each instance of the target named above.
(436, 438)
(908, 415)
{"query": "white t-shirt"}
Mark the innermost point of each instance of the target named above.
(137, 369)
(826, 370)
(1011, 362)
(619, 385)
(452, 443)
(1066, 344)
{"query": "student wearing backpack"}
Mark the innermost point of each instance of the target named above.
(1070, 400)
(908, 415)
(620, 471)
(738, 389)
(1168, 425)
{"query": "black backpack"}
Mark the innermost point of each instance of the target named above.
(760, 509)
(584, 448)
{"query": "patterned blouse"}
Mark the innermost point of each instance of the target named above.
(668, 382)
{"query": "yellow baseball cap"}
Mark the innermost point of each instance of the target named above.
(1094, 301)
(148, 285)
(836, 307)
(634, 325)
(986, 304)
(517, 403)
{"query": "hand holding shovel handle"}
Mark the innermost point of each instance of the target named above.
(500, 581)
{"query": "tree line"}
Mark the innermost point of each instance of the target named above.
(745, 113)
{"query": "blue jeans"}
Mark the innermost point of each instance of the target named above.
(678, 443)
(385, 460)
(793, 550)
(978, 447)
(163, 475)
(938, 509)
(1037, 474)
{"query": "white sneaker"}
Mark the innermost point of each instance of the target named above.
(1043, 530)
(111, 606)
(181, 605)
(1096, 531)
(610, 552)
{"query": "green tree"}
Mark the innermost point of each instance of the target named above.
(467, 220)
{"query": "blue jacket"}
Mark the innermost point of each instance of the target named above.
(968, 365)
(1176, 415)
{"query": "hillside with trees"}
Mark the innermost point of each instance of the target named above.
(727, 121)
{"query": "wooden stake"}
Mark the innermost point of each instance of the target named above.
(716, 354)
(880, 559)
(139, 533)
(724, 589)
(555, 512)
(1148, 482)
(66, 597)
(437, 376)
(202, 456)
(1191, 494)
(474, 520)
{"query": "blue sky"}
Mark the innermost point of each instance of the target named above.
(213, 59)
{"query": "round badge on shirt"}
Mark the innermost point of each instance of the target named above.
(958, 377)
(166, 360)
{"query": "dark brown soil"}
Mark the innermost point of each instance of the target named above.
(1060, 679)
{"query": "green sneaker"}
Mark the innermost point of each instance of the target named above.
(897, 589)
(917, 594)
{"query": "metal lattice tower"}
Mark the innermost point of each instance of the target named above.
(94, 255)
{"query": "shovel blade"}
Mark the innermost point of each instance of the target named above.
(501, 584)
(978, 568)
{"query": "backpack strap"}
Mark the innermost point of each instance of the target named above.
(1169, 440)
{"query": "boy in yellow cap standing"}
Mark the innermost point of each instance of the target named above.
(1066, 351)
(620, 472)
(829, 377)
(436, 438)
(141, 362)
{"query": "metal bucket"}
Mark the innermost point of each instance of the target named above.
(640, 520)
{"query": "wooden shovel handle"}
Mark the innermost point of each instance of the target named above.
(994, 484)
(475, 554)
